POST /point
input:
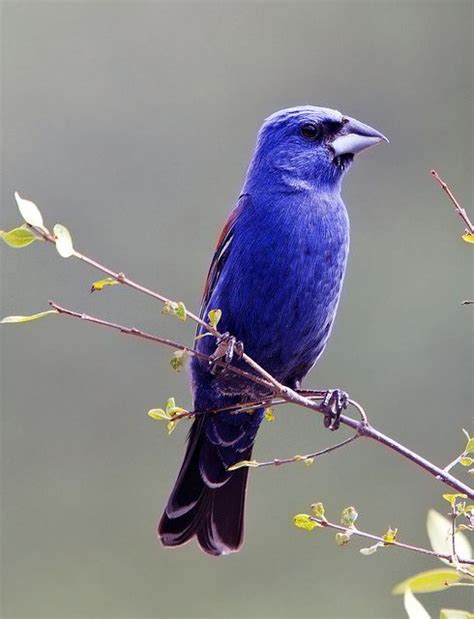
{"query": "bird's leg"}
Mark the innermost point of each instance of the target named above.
(227, 347)
(335, 401)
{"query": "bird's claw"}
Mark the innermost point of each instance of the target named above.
(335, 401)
(227, 347)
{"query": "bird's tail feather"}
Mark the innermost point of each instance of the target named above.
(213, 512)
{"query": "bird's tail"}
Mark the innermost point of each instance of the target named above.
(207, 500)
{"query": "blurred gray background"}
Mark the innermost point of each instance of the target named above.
(132, 123)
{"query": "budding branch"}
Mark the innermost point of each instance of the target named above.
(380, 540)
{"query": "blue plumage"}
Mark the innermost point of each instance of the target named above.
(276, 275)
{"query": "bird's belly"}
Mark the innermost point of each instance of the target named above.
(294, 316)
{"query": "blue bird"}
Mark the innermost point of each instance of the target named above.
(276, 274)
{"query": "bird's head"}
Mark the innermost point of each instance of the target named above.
(310, 145)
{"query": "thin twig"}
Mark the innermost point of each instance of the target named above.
(453, 535)
(378, 539)
(452, 464)
(121, 278)
(242, 407)
(305, 458)
(458, 208)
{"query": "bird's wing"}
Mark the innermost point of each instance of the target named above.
(221, 253)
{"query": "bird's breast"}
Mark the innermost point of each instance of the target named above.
(281, 283)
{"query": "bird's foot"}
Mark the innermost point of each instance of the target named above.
(334, 402)
(227, 347)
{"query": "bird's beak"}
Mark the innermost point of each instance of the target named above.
(355, 137)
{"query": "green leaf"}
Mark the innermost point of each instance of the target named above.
(304, 459)
(414, 608)
(303, 521)
(14, 319)
(63, 241)
(172, 409)
(170, 405)
(269, 416)
(214, 316)
(177, 410)
(102, 283)
(167, 415)
(170, 426)
(29, 211)
(181, 311)
(318, 510)
(469, 449)
(468, 237)
(242, 464)
(426, 582)
(18, 237)
(158, 414)
(390, 536)
(370, 550)
(451, 613)
(177, 309)
(169, 307)
(439, 532)
(343, 538)
(452, 498)
(348, 516)
(178, 360)
(465, 461)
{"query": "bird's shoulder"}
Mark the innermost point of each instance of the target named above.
(223, 246)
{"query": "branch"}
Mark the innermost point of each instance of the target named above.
(380, 540)
(363, 428)
(307, 459)
(121, 278)
(457, 207)
(153, 338)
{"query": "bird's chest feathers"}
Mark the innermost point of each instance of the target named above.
(288, 262)
(294, 255)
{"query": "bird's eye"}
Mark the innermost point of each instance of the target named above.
(310, 131)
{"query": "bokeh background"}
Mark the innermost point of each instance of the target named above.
(132, 123)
